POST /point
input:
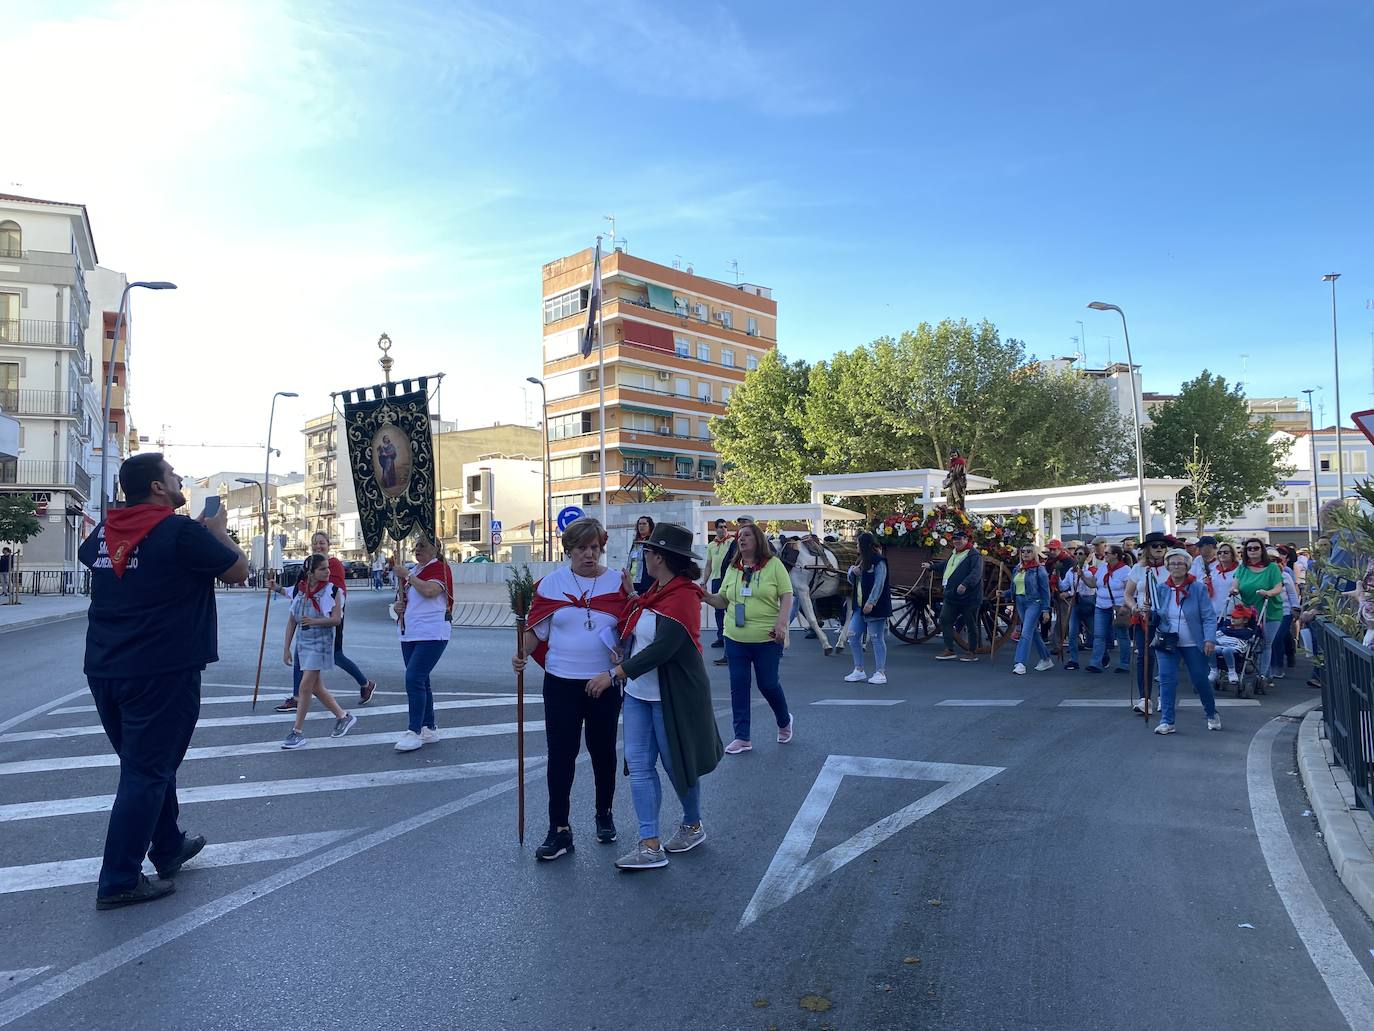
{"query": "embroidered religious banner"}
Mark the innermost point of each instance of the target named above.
(391, 454)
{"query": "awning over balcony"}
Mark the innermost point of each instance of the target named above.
(637, 453)
(657, 337)
(661, 297)
(648, 411)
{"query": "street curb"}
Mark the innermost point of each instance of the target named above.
(40, 620)
(1351, 851)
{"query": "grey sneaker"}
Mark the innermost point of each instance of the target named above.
(295, 739)
(343, 725)
(686, 839)
(642, 858)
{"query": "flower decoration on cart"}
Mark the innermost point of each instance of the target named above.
(997, 535)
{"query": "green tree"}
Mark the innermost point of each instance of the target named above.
(19, 524)
(764, 452)
(1209, 424)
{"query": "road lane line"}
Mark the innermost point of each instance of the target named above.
(981, 701)
(247, 699)
(860, 701)
(90, 762)
(40, 710)
(265, 789)
(320, 713)
(1185, 703)
(38, 876)
(1350, 987)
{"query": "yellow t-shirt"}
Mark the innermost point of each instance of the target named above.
(715, 556)
(762, 605)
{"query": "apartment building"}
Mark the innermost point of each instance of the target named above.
(1120, 380)
(457, 449)
(507, 490)
(323, 435)
(676, 345)
(47, 252)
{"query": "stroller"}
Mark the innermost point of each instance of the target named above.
(1240, 639)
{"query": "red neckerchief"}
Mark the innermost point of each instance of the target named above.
(312, 594)
(442, 575)
(1113, 568)
(739, 563)
(1264, 564)
(1030, 565)
(678, 600)
(125, 529)
(541, 608)
(1181, 590)
(964, 546)
(1222, 567)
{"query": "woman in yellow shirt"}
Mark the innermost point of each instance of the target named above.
(756, 594)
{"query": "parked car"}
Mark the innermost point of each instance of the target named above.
(356, 570)
(291, 572)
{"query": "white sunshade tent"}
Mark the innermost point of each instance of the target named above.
(813, 514)
(1121, 495)
(926, 483)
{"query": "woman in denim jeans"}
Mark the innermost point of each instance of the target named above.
(1081, 599)
(872, 605)
(1109, 578)
(1186, 635)
(423, 604)
(1030, 589)
(756, 594)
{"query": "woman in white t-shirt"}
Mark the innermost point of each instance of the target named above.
(572, 634)
(424, 601)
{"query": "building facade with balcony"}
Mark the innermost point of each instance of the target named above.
(456, 449)
(508, 490)
(322, 437)
(47, 253)
(677, 345)
(106, 289)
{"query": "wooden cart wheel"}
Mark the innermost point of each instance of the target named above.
(994, 624)
(913, 619)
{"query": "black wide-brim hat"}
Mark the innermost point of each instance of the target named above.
(674, 539)
(1155, 537)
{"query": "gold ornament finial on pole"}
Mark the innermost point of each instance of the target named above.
(385, 361)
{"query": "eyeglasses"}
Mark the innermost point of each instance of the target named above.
(1253, 547)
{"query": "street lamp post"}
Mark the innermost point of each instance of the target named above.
(267, 590)
(1331, 278)
(1135, 415)
(120, 319)
(267, 469)
(1316, 491)
(548, 471)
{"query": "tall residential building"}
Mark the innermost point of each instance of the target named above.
(106, 288)
(322, 437)
(1116, 378)
(509, 452)
(46, 253)
(676, 346)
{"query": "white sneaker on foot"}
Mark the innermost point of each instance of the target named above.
(1212, 676)
(1044, 664)
(429, 735)
(409, 742)
(1139, 705)
(1232, 676)
(1164, 728)
(1215, 722)
(878, 678)
(1019, 669)
(855, 676)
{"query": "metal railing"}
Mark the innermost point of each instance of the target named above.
(40, 402)
(41, 332)
(49, 581)
(6, 251)
(36, 473)
(1347, 675)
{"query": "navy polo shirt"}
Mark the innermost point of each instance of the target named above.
(159, 617)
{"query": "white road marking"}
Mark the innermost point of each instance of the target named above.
(266, 788)
(89, 762)
(1121, 703)
(230, 853)
(10, 978)
(789, 873)
(318, 712)
(860, 701)
(40, 710)
(247, 699)
(981, 701)
(1350, 987)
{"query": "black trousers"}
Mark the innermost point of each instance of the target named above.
(950, 611)
(569, 714)
(149, 721)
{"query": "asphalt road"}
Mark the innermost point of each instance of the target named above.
(914, 865)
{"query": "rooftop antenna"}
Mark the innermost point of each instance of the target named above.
(734, 267)
(677, 261)
(1077, 352)
(1244, 371)
(1109, 351)
(614, 240)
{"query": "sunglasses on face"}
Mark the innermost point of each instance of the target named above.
(1253, 547)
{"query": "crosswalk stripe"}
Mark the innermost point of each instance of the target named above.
(318, 713)
(271, 788)
(88, 762)
(1121, 703)
(230, 853)
(11, 978)
(247, 699)
(860, 701)
(981, 701)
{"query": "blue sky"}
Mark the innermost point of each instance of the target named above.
(314, 174)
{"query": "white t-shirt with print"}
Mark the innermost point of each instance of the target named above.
(576, 652)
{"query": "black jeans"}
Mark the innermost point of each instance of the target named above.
(568, 709)
(149, 721)
(950, 611)
(720, 613)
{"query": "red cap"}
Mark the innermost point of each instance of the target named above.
(1056, 543)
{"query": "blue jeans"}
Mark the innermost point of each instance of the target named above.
(1104, 630)
(763, 658)
(1030, 632)
(646, 740)
(720, 613)
(1278, 647)
(859, 624)
(1197, 664)
(421, 657)
(340, 659)
(1081, 615)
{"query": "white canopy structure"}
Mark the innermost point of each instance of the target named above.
(814, 515)
(1115, 494)
(926, 483)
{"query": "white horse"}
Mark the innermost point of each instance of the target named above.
(816, 576)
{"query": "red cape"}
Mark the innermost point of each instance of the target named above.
(680, 601)
(125, 529)
(542, 608)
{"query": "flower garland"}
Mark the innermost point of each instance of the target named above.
(999, 535)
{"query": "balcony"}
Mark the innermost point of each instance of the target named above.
(41, 333)
(64, 404)
(47, 476)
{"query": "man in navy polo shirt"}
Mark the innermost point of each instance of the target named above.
(150, 632)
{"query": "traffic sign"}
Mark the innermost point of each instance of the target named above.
(533, 527)
(496, 526)
(568, 516)
(496, 537)
(1365, 422)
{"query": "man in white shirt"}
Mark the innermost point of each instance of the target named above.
(1146, 575)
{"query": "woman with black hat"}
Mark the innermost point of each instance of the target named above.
(667, 712)
(1146, 575)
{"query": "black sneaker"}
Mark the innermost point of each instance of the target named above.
(719, 643)
(191, 844)
(722, 661)
(1070, 665)
(365, 692)
(287, 706)
(558, 843)
(605, 828)
(144, 891)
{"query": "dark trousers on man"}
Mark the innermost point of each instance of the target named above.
(950, 613)
(720, 613)
(149, 721)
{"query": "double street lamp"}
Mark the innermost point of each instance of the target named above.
(107, 488)
(548, 471)
(1331, 278)
(1135, 415)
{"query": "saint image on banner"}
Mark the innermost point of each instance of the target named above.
(391, 460)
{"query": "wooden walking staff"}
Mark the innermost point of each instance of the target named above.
(521, 589)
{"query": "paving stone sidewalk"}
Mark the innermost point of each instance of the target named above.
(1347, 830)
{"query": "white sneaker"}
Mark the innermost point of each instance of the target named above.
(1019, 669)
(1139, 705)
(409, 742)
(429, 735)
(1164, 728)
(1212, 677)
(878, 678)
(1044, 664)
(856, 676)
(1232, 676)
(1215, 722)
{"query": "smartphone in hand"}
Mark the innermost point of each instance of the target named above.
(211, 506)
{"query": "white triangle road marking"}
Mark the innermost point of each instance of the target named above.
(790, 873)
(90, 762)
(11, 978)
(229, 853)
